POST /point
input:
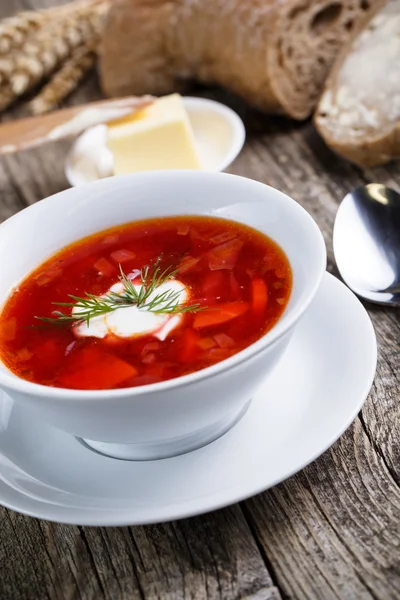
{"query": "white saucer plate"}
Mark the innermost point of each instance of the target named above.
(218, 131)
(311, 398)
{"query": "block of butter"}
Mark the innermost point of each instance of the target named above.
(158, 137)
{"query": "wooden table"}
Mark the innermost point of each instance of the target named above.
(332, 531)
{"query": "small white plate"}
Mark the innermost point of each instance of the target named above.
(219, 135)
(312, 397)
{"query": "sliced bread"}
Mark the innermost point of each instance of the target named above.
(358, 114)
(276, 54)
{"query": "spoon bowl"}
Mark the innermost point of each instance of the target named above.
(366, 243)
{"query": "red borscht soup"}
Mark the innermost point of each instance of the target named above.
(143, 303)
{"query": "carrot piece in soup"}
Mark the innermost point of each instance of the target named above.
(217, 354)
(104, 267)
(9, 329)
(83, 358)
(224, 256)
(280, 272)
(223, 237)
(188, 264)
(48, 276)
(110, 239)
(207, 343)
(183, 229)
(149, 358)
(109, 372)
(122, 256)
(156, 370)
(144, 379)
(259, 297)
(24, 354)
(112, 340)
(220, 314)
(198, 240)
(150, 347)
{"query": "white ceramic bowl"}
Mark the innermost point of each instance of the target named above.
(178, 415)
(219, 136)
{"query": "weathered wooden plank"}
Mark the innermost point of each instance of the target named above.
(333, 531)
(214, 556)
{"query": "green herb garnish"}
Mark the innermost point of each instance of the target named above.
(91, 306)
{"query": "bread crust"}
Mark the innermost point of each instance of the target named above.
(248, 46)
(369, 152)
(372, 149)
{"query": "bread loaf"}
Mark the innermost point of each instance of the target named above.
(276, 54)
(359, 112)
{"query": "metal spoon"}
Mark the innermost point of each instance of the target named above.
(366, 243)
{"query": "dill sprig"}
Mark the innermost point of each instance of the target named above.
(91, 306)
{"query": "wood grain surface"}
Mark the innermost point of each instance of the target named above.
(330, 532)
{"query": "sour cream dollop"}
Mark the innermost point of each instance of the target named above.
(131, 321)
